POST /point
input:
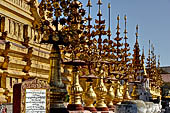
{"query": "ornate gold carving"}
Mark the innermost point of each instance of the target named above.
(101, 92)
(110, 95)
(3, 36)
(25, 35)
(126, 95)
(89, 96)
(76, 89)
(20, 4)
(7, 48)
(2, 24)
(27, 67)
(35, 14)
(118, 95)
(4, 65)
(29, 54)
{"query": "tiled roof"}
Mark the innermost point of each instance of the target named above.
(166, 77)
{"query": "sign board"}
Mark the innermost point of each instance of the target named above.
(31, 96)
(35, 101)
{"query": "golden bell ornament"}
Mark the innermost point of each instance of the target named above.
(101, 92)
(118, 95)
(110, 95)
(76, 90)
(126, 95)
(89, 97)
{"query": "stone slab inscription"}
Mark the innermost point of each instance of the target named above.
(35, 101)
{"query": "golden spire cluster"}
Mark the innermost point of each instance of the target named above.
(104, 58)
(136, 61)
(126, 53)
(118, 51)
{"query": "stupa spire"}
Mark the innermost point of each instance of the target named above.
(119, 51)
(137, 31)
(143, 56)
(109, 31)
(118, 27)
(149, 61)
(89, 5)
(136, 56)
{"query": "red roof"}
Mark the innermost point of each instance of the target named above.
(166, 77)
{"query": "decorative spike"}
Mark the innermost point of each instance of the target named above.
(137, 31)
(152, 47)
(118, 18)
(99, 13)
(109, 31)
(149, 48)
(125, 17)
(125, 32)
(99, 2)
(109, 6)
(158, 61)
(149, 62)
(136, 56)
(155, 60)
(89, 17)
(143, 55)
(89, 3)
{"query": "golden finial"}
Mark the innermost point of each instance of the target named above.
(149, 50)
(89, 3)
(143, 56)
(109, 32)
(158, 61)
(125, 18)
(99, 13)
(99, 2)
(109, 6)
(137, 31)
(118, 18)
(89, 17)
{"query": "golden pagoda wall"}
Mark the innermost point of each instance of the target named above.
(16, 15)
